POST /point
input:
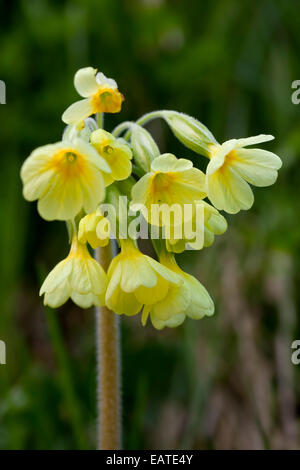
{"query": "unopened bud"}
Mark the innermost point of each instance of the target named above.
(191, 132)
(144, 147)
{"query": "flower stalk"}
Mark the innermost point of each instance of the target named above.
(108, 369)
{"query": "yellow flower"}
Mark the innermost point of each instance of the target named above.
(65, 177)
(171, 181)
(79, 277)
(232, 167)
(101, 96)
(135, 279)
(210, 223)
(116, 153)
(188, 298)
(94, 229)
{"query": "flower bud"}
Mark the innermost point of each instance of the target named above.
(144, 147)
(94, 229)
(191, 133)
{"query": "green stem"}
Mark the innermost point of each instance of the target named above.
(108, 362)
(121, 128)
(144, 120)
(100, 120)
(149, 117)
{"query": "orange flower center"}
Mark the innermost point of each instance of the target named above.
(107, 100)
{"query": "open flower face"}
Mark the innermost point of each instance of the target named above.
(170, 185)
(64, 177)
(232, 167)
(189, 298)
(206, 223)
(94, 229)
(101, 95)
(116, 153)
(78, 277)
(135, 279)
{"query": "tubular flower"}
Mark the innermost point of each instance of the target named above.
(206, 223)
(115, 152)
(65, 177)
(189, 298)
(171, 182)
(232, 167)
(101, 95)
(94, 229)
(135, 279)
(79, 277)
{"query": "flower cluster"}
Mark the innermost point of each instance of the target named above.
(73, 180)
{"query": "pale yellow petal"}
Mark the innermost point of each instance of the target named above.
(59, 296)
(172, 322)
(176, 302)
(228, 191)
(119, 301)
(140, 189)
(201, 303)
(154, 294)
(257, 139)
(85, 81)
(168, 162)
(258, 167)
(137, 272)
(77, 112)
(57, 276)
(85, 300)
(62, 201)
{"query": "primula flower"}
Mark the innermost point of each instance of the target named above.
(116, 153)
(65, 177)
(135, 279)
(210, 224)
(189, 298)
(170, 181)
(232, 167)
(94, 229)
(79, 277)
(101, 96)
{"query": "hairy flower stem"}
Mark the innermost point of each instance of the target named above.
(141, 121)
(108, 361)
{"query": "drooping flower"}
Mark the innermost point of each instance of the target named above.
(65, 177)
(101, 95)
(78, 277)
(135, 279)
(232, 167)
(115, 152)
(171, 183)
(206, 223)
(94, 229)
(187, 299)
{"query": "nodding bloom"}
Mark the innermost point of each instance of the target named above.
(78, 277)
(94, 229)
(171, 182)
(101, 95)
(232, 167)
(135, 279)
(115, 152)
(206, 223)
(65, 177)
(186, 299)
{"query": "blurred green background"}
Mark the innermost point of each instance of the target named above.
(221, 383)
